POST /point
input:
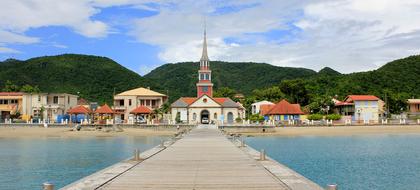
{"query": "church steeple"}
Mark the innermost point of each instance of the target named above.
(204, 56)
(204, 85)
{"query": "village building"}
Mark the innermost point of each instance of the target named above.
(413, 106)
(205, 108)
(256, 107)
(361, 108)
(47, 105)
(126, 102)
(10, 104)
(282, 111)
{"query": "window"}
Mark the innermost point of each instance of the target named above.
(374, 104)
(13, 101)
(68, 99)
(366, 103)
(194, 116)
(153, 103)
(207, 77)
(39, 98)
(205, 89)
(142, 102)
(1, 101)
(129, 102)
(121, 102)
(55, 100)
(215, 116)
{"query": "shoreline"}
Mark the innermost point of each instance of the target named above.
(65, 132)
(337, 131)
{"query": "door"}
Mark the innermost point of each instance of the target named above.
(230, 117)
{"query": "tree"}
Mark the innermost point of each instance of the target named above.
(273, 94)
(321, 104)
(10, 87)
(30, 89)
(225, 92)
(295, 91)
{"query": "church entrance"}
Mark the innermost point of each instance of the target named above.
(204, 117)
(230, 117)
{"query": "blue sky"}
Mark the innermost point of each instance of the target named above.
(346, 35)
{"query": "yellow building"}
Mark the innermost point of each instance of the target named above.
(10, 104)
(127, 101)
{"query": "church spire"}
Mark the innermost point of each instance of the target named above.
(204, 56)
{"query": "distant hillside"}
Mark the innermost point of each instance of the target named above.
(180, 78)
(395, 82)
(94, 77)
(328, 71)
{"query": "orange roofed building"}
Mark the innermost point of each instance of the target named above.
(361, 108)
(282, 111)
(205, 108)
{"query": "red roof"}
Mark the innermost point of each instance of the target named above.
(340, 103)
(351, 98)
(105, 109)
(141, 110)
(220, 100)
(11, 93)
(188, 100)
(265, 108)
(79, 110)
(285, 108)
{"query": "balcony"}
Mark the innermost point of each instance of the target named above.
(117, 107)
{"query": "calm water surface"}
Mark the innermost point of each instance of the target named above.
(27, 163)
(365, 162)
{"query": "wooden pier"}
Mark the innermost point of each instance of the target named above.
(206, 159)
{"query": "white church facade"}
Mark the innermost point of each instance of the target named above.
(205, 108)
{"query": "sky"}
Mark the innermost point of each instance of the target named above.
(346, 35)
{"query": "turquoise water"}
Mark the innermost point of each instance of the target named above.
(27, 163)
(371, 162)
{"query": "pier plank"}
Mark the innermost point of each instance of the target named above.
(203, 159)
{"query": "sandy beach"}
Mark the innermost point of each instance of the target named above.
(341, 130)
(35, 132)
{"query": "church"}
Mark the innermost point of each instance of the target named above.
(205, 108)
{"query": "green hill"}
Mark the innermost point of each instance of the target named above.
(97, 77)
(180, 78)
(394, 82)
(94, 77)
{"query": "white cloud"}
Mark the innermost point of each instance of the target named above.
(346, 35)
(8, 50)
(19, 16)
(9, 37)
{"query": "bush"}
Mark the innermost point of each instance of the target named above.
(334, 117)
(238, 120)
(315, 117)
(256, 117)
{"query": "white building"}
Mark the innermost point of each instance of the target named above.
(52, 104)
(205, 108)
(255, 107)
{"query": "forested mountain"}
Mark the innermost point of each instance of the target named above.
(97, 77)
(180, 78)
